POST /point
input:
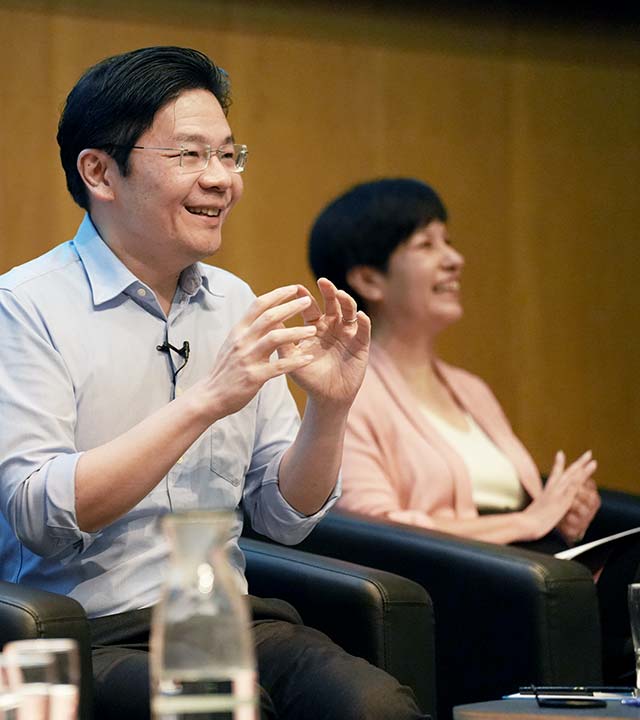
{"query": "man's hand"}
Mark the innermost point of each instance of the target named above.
(245, 361)
(339, 348)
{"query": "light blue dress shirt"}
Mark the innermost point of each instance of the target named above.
(78, 367)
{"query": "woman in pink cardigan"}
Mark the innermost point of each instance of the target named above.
(427, 443)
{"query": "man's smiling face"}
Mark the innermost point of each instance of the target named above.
(174, 214)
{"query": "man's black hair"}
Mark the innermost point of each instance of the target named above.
(116, 100)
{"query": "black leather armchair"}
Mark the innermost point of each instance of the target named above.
(505, 616)
(27, 613)
(377, 615)
(384, 618)
(619, 511)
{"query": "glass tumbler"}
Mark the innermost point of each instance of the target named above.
(45, 672)
(9, 701)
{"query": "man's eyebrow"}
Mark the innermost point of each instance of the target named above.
(201, 138)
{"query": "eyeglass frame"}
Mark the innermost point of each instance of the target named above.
(243, 152)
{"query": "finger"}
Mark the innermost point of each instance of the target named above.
(589, 487)
(274, 316)
(281, 366)
(579, 526)
(284, 340)
(571, 528)
(573, 534)
(590, 469)
(587, 494)
(582, 470)
(571, 515)
(589, 497)
(348, 308)
(285, 365)
(594, 501)
(584, 458)
(268, 300)
(330, 296)
(363, 334)
(571, 521)
(580, 462)
(313, 313)
(558, 466)
(580, 507)
(590, 484)
(587, 502)
(572, 484)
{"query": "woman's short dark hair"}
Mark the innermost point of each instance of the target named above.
(116, 100)
(366, 224)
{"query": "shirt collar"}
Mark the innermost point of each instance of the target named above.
(109, 276)
(192, 279)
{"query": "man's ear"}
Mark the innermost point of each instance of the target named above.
(97, 168)
(368, 282)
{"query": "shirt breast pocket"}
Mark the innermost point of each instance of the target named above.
(232, 445)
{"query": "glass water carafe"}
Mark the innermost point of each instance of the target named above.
(202, 660)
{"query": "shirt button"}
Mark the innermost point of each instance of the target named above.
(142, 292)
(179, 460)
(179, 392)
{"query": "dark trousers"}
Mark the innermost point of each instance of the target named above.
(303, 675)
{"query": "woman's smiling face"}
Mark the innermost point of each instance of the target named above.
(422, 281)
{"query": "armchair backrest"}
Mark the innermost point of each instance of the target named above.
(619, 511)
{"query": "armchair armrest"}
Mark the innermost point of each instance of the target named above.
(27, 613)
(377, 615)
(505, 616)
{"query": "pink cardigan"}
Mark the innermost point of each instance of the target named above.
(396, 464)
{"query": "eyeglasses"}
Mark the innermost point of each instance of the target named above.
(195, 156)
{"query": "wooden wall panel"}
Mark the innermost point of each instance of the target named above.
(576, 165)
(530, 129)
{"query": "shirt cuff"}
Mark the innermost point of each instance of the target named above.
(278, 519)
(55, 482)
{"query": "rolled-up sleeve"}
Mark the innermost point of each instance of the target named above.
(277, 426)
(38, 456)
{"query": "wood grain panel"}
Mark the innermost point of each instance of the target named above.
(529, 128)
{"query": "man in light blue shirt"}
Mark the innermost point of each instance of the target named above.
(137, 381)
(81, 369)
